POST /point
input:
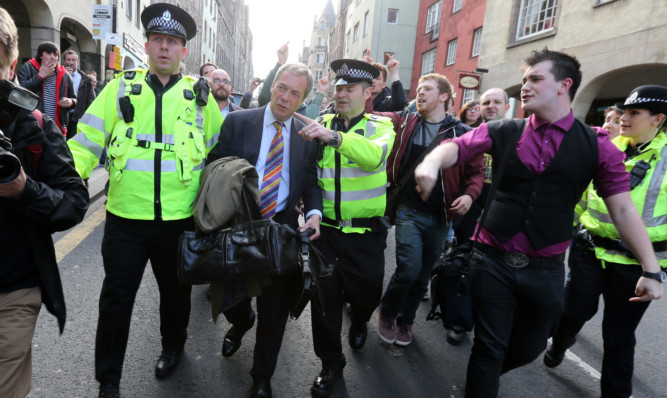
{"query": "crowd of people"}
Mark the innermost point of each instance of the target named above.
(326, 167)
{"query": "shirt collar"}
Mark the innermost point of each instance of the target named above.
(564, 124)
(269, 119)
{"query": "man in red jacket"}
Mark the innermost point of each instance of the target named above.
(45, 77)
(422, 226)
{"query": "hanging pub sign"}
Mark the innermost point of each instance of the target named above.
(469, 81)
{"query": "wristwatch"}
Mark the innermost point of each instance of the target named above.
(660, 276)
(334, 140)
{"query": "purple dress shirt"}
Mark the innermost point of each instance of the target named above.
(536, 148)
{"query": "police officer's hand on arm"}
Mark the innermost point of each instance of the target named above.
(462, 204)
(426, 174)
(15, 188)
(632, 232)
(313, 130)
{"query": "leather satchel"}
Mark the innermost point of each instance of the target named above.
(251, 248)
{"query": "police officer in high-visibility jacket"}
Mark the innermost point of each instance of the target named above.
(601, 263)
(352, 175)
(158, 126)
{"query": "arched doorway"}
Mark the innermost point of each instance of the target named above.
(34, 22)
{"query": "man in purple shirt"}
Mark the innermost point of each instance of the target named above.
(516, 270)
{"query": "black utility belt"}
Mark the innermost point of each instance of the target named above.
(520, 260)
(615, 244)
(374, 223)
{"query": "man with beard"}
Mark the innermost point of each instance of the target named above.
(221, 87)
(422, 225)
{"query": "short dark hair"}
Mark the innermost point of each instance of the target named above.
(564, 66)
(46, 47)
(205, 64)
(382, 70)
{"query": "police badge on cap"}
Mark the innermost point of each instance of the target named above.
(168, 19)
(653, 98)
(351, 71)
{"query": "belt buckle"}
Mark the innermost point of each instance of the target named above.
(515, 259)
(345, 223)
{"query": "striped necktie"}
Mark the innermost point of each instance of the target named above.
(268, 194)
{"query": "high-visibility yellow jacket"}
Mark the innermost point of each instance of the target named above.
(360, 164)
(650, 198)
(155, 159)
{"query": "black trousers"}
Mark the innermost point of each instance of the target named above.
(616, 283)
(358, 275)
(273, 307)
(126, 247)
(516, 309)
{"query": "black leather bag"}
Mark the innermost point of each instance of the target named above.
(252, 248)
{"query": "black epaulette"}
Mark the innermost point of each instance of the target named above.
(130, 75)
(188, 94)
(373, 117)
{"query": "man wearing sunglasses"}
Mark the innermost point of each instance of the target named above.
(221, 88)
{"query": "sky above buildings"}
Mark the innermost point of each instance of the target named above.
(274, 22)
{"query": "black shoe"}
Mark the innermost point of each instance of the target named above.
(233, 338)
(109, 391)
(357, 335)
(454, 337)
(554, 357)
(324, 382)
(167, 362)
(261, 390)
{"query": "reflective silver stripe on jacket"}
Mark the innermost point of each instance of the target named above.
(95, 148)
(166, 166)
(653, 192)
(120, 94)
(213, 140)
(351, 172)
(349, 196)
(166, 139)
(95, 122)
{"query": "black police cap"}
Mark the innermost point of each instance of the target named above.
(651, 97)
(168, 19)
(351, 71)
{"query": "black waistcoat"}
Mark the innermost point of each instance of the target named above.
(541, 205)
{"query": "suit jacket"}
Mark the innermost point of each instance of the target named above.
(241, 136)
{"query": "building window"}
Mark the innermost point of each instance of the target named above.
(323, 41)
(428, 62)
(322, 25)
(433, 18)
(128, 10)
(476, 42)
(347, 41)
(598, 2)
(392, 16)
(451, 52)
(535, 16)
(457, 5)
(355, 35)
(366, 23)
(319, 58)
(468, 95)
(318, 75)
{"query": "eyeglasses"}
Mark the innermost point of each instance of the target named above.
(218, 81)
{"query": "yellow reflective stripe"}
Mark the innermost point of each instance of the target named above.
(83, 140)
(349, 196)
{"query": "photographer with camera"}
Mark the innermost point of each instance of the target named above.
(41, 195)
(43, 76)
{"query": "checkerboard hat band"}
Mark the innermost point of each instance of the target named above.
(167, 24)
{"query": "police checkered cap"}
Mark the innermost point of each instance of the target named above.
(168, 19)
(351, 71)
(651, 97)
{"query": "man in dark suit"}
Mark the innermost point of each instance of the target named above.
(252, 134)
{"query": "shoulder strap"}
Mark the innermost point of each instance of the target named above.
(513, 137)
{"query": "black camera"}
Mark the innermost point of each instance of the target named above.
(13, 98)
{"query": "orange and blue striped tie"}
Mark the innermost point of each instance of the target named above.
(268, 194)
